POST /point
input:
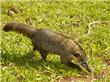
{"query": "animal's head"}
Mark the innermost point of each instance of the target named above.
(81, 58)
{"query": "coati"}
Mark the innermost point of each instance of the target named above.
(46, 41)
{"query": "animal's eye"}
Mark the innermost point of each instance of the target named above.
(78, 54)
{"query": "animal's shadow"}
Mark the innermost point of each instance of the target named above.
(26, 60)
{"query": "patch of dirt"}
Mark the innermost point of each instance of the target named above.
(103, 74)
(76, 79)
(13, 10)
(85, 78)
(108, 61)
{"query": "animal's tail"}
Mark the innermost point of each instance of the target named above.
(20, 28)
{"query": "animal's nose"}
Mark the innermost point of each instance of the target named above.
(87, 67)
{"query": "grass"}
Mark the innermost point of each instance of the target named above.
(65, 16)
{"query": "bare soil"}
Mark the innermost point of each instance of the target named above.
(85, 78)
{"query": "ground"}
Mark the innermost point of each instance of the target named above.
(69, 17)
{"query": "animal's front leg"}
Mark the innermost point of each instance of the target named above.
(67, 61)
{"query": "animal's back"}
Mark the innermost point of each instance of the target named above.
(53, 42)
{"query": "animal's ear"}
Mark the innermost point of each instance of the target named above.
(78, 54)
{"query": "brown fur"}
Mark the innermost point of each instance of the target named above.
(46, 41)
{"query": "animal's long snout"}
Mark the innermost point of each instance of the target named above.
(86, 66)
(88, 69)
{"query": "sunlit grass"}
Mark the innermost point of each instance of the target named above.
(65, 16)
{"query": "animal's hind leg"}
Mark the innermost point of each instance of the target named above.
(34, 48)
(43, 54)
(33, 56)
